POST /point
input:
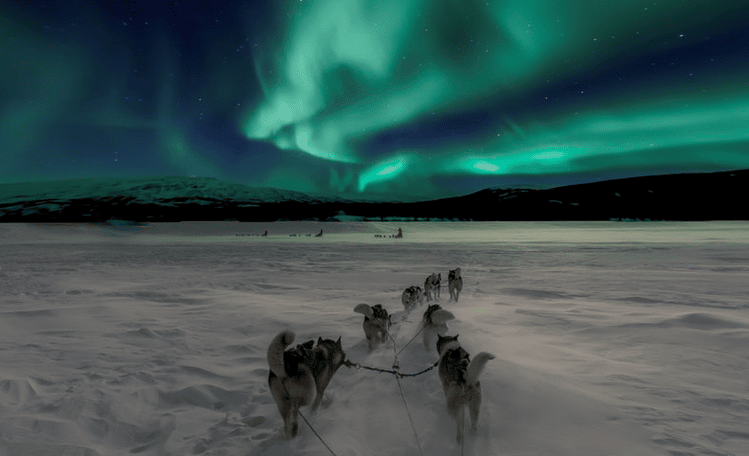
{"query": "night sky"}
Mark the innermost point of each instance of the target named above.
(382, 99)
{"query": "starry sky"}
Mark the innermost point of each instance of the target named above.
(377, 99)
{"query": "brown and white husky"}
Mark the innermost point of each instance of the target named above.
(298, 375)
(459, 377)
(432, 286)
(411, 297)
(376, 323)
(454, 283)
(435, 322)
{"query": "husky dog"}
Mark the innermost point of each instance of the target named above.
(432, 285)
(412, 296)
(459, 376)
(301, 373)
(435, 322)
(454, 283)
(376, 323)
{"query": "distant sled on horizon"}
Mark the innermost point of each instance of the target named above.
(265, 233)
(398, 235)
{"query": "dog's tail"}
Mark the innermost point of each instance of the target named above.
(364, 309)
(275, 352)
(476, 366)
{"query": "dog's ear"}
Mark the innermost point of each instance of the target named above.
(319, 341)
(339, 342)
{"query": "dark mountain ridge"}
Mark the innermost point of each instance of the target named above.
(687, 197)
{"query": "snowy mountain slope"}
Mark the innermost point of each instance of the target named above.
(144, 189)
(141, 199)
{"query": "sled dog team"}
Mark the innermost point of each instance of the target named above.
(299, 376)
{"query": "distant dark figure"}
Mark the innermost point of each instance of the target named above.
(265, 233)
(319, 234)
(400, 234)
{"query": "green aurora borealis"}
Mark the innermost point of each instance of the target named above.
(350, 69)
(419, 98)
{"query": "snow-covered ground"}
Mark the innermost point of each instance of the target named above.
(610, 338)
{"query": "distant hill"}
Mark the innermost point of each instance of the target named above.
(142, 199)
(686, 197)
(143, 189)
(694, 196)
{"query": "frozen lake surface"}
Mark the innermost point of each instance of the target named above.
(610, 338)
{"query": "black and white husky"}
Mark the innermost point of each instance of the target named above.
(459, 377)
(454, 283)
(298, 375)
(376, 323)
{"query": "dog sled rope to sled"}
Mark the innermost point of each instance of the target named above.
(296, 407)
(398, 375)
(407, 344)
(395, 372)
(357, 366)
(405, 404)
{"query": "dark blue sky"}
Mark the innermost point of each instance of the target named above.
(382, 99)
